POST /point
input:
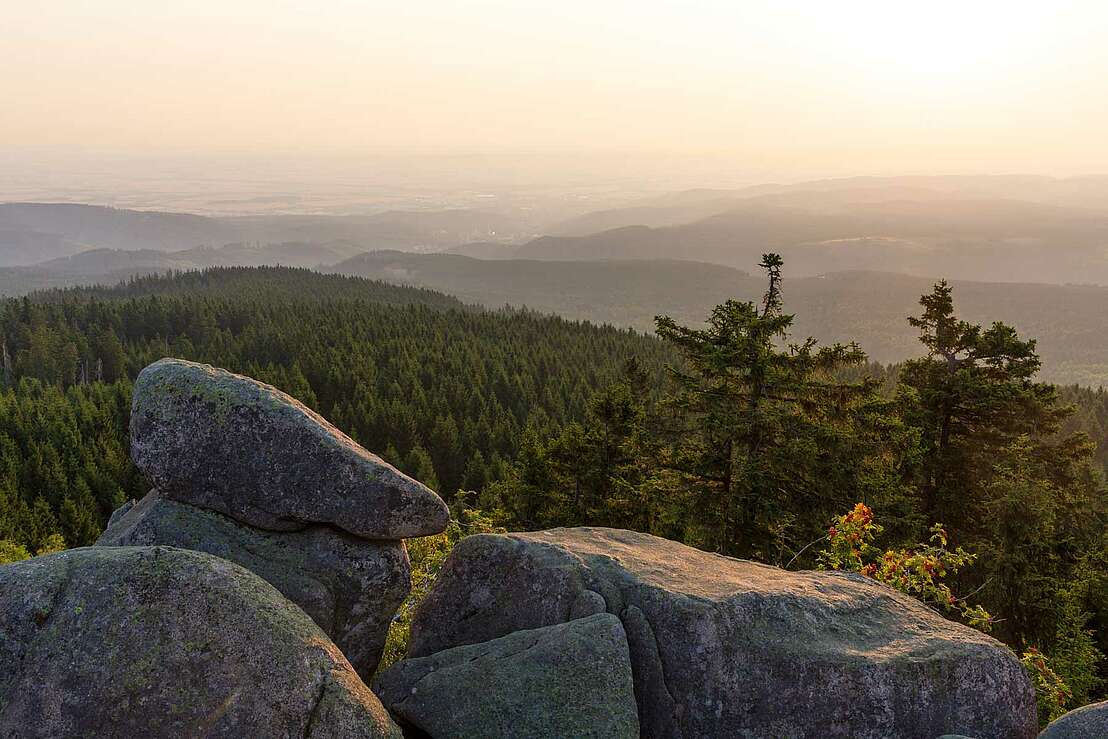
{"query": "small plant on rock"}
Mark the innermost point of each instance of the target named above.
(918, 571)
(1051, 692)
(427, 555)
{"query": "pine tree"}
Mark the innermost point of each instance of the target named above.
(995, 468)
(765, 443)
(971, 397)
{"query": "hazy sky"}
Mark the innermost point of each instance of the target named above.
(829, 84)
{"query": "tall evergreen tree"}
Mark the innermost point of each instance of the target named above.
(765, 443)
(995, 468)
(971, 397)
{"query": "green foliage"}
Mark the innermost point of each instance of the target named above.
(763, 437)
(442, 391)
(53, 543)
(427, 555)
(63, 461)
(12, 552)
(1075, 656)
(970, 397)
(593, 473)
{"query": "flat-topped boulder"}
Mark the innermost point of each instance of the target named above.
(726, 647)
(350, 587)
(566, 680)
(1086, 722)
(228, 443)
(165, 642)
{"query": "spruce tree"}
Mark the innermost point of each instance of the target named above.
(765, 446)
(971, 397)
(996, 469)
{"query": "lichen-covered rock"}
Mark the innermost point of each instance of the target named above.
(725, 647)
(568, 680)
(231, 444)
(165, 642)
(1087, 722)
(350, 587)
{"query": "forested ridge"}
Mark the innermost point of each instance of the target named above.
(980, 487)
(442, 391)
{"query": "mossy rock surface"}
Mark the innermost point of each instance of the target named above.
(726, 647)
(557, 682)
(166, 642)
(1087, 722)
(349, 586)
(228, 443)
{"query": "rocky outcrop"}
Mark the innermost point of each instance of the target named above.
(567, 680)
(725, 647)
(247, 473)
(165, 642)
(350, 587)
(225, 442)
(1087, 722)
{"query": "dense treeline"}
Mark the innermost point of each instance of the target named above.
(257, 282)
(731, 436)
(63, 460)
(441, 391)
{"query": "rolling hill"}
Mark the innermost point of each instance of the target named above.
(987, 240)
(870, 307)
(34, 232)
(108, 266)
(685, 206)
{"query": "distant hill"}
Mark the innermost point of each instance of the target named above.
(483, 250)
(108, 266)
(34, 232)
(432, 229)
(989, 240)
(48, 230)
(627, 293)
(287, 254)
(695, 205)
(869, 307)
(686, 206)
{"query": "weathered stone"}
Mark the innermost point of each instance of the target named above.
(350, 587)
(165, 642)
(725, 647)
(567, 680)
(1087, 722)
(231, 444)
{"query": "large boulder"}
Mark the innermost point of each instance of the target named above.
(725, 647)
(231, 444)
(350, 587)
(1087, 722)
(566, 680)
(165, 642)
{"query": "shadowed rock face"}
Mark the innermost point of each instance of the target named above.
(725, 647)
(567, 680)
(228, 443)
(1087, 722)
(350, 587)
(165, 642)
